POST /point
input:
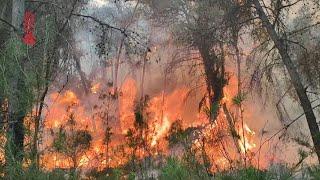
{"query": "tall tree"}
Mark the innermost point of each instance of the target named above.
(16, 106)
(196, 28)
(281, 45)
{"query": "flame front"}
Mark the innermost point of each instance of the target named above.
(161, 130)
(113, 117)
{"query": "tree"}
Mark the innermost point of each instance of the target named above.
(54, 29)
(17, 105)
(196, 28)
(27, 71)
(71, 142)
(281, 45)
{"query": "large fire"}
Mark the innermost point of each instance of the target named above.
(103, 130)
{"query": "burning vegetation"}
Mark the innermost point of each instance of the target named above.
(107, 130)
(170, 89)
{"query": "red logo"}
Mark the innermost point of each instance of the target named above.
(28, 28)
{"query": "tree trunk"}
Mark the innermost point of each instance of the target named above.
(17, 113)
(233, 131)
(117, 64)
(240, 109)
(5, 12)
(84, 80)
(4, 36)
(16, 106)
(215, 78)
(294, 76)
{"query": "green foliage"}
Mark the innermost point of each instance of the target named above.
(131, 139)
(12, 60)
(175, 170)
(72, 143)
(314, 172)
(302, 154)
(238, 99)
(138, 118)
(176, 133)
(132, 176)
(279, 172)
(244, 174)
(34, 174)
(111, 174)
(78, 141)
(200, 170)
(59, 142)
(139, 114)
(15, 170)
(82, 139)
(212, 110)
(117, 173)
(187, 168)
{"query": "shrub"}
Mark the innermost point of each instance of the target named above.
(174, 169)
(244, 174)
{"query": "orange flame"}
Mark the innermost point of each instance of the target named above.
(161, 111)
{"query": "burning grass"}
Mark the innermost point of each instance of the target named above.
(108, 130)
(116, 134)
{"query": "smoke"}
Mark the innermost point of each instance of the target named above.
(175, 86)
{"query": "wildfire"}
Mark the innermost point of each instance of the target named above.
(127, 105)
(68, 115)
(246, 142)
(161, 130)
(68, 97)
(95, 88)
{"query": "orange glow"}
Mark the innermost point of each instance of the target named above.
(161, 130)
(246, 143)
(159, 113)
(95, 88)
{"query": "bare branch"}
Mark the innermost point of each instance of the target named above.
(292, 33)
(9, 24)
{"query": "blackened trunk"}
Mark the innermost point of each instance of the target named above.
(16, 129)
(215, 78)
(17, 113)
(294, 75)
